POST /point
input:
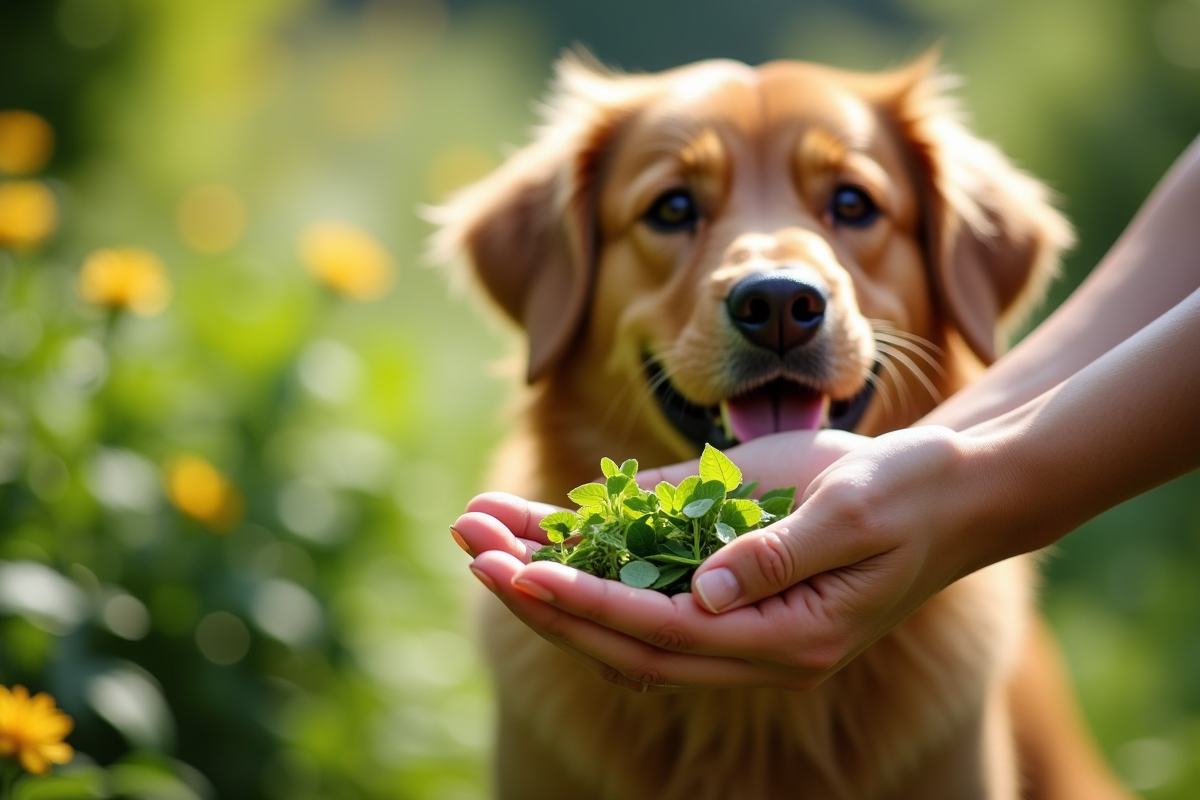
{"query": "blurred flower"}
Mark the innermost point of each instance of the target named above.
(211, 218)
(198, 489)
(347, 259)
(454, 168)
(32, 729)
(28, 214)
(125, 277)
(26, 142)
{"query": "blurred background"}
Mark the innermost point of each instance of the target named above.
(237, 409)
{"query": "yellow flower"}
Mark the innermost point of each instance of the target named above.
(28, 214)
(347, 259)
(32, 729)
(125, 277)
(211, 218)
(26, 142)
(198, 489)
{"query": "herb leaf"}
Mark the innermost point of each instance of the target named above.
(589, 494)
(657, 539)
(716, 466)
(639, 574)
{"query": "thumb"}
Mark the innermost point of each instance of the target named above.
(766, 562)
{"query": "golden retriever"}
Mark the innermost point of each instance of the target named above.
(721, 252)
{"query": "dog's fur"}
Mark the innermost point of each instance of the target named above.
(963, 243)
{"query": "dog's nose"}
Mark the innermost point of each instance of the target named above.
(776, 310)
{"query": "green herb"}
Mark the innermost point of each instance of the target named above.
(656, 540)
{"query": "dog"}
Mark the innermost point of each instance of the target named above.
(720, 252)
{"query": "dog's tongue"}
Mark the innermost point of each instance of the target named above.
(774, 408)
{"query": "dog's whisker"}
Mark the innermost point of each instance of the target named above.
(897, 380)
(911, 347)
(881, 389)
(914, 368)
(887, 326)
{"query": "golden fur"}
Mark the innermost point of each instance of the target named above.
(964, 242)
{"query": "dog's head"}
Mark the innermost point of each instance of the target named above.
(758, 250)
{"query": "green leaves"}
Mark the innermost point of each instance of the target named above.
(715, 466)
(639, 574)
(656, 540)
(589, 494)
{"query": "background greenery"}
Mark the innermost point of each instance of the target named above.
(320, 645)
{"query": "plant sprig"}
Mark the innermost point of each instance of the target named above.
(656, 540)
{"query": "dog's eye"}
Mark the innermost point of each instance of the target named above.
(673, 212)
(852, 206)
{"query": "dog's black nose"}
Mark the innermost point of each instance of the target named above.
(776, 310)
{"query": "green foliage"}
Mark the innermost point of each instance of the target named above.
(656, 540)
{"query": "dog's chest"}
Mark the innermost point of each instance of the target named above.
(915, 694)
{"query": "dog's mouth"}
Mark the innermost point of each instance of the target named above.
(774, 407)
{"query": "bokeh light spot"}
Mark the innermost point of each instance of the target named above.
(26, 142)
(454, 168)
(125, 277)
(87, 24)
(28, 214)
(347, 259)
(126, 616)
(199, 490)
(1148, 763)
(1177, 31)
(211, 219)
(223, 638)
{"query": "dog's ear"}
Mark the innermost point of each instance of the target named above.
(992, 237)
(528, 229)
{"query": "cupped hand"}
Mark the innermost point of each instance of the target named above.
(876, 534)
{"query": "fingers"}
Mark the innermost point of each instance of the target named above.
(519, 515)
(670, 623)
(826, 533)
(477, 533)
(631, 658)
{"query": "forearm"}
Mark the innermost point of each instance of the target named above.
(1147, 271)
(1124, 424)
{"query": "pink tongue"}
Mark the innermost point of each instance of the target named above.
(773, 409)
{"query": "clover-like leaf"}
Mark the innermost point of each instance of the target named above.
(639, 505)
(639, 574)
(629, 467)
(716, 466)
(725, 533)
(741, 515)
(609, 467)
(640, 539)
(683, 492)
(698, 508)
(617, 484)
(562, 522)
(776, 506)
(590, 494)
(665, 493)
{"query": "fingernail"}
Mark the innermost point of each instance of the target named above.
(484, 578)
(534, 589)
(717, 589)
(458, 539)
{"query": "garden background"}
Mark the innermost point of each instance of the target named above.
(223, 506)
